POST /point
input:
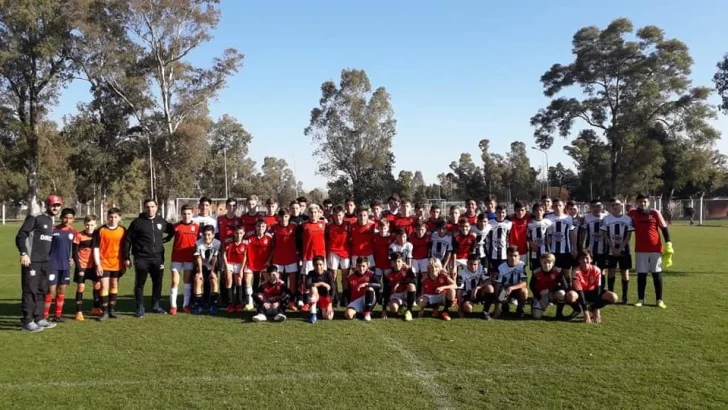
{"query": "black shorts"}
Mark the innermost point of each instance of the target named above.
(564, 261)
(600, 260)
(593, 297)
(88, 274)
(623, 262)
(493, 264)
(115, 274)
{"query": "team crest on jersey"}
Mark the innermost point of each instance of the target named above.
(45, 226)
(192, 228)
(159, 226)
(321, 225)
(70, 236)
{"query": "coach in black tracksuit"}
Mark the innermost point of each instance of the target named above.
(145, 239)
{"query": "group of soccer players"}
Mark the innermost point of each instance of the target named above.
(402, 257)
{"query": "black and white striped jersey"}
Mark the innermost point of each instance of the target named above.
(481, 239)
(617, 228)
(537, 233)
(592, 229)
(468, 280)
(498, 239)
(558, 234)
(440, 245)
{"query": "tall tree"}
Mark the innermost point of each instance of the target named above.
(353, 128)
(628, 85)
(405, 184)
(493, 169)
(228, 145)
(721, 83)
(563, 181)
(522, 179)
(420, 189)
(277, 181)
(36, 38)
(467, 177)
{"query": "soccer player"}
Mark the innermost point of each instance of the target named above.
(510, 283)
(393, 212)
(311, 238)
(303, 202)
(548, 285)
(453, 219)
(260, 248)
(586, 289)
(328, 208)
(248, 219)
(363, 287)
(362, 237)
(376, 210)
(297, 215)
(537, 241)
(547, 204)
(474, 286)
(320, 286)
(437, 289)
(491, 208)
(183, 249)
(226, 226)
(561, 238)
(590, 231)
(435, 212)
(441, 244)
(420, 241)
(573, 212)
(206, 257)
(204, 216)
(285, 254)
(471, 211)
(617, 231)
(464, 244)
(271, 298)
(380, 247)
(108, 259)
(648, 248)
(235, 257)
(350, 216)
(271, 216)
(338, 238)
(481, 229)
(61, 259)
(399, 287)
(406, 219)
(420, 212)
(519, 230)
(84, 267)
(400, 245)
(498, 239)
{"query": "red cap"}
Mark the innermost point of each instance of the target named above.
(53, 199)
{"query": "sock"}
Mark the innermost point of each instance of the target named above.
(112, 300)
(239, 291)
(369, 301)
(559, 309)
(198, 300)
(611, 283)
(641, 285)
(79, 302)
(625, 289)
(173, 297)
(410, 300)
(186, 294)
(229, 293)
(213, 298)
(248, 295)
(60, 299)
(104, 302)
(47, 306)
(97, 298)
(313, 308)
(446, 305)
(657, 281)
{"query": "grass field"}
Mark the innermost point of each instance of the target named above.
(638, 358)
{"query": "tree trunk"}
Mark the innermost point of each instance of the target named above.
(34, 160)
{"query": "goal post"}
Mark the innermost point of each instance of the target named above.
(218, 206)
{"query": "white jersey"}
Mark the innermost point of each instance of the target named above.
(559, 234)
(498, 239)
(481, 239)
(468, 280)
(592, 227)
(617, 228)
(208, 252)
(440, 245)
(537, 233)
(203, 221)
(405, 249)
(511, 275)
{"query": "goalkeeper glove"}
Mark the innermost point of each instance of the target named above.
(667, 255)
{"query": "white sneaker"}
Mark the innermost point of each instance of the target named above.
(45, 324)
(259, 318)
(32, 327)
(368, 317)
(280, 317)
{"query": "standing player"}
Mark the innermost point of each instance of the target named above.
(271, 215)
(226, 226)
(547, 204)
(260, 247)
(453, 219)
(64, 236)
(590, 230)
(434, 218)
(437, 289)
(498, 239)
(363, 288)
(547, 285)
(399, 288)
(320, 285)
(510, 283)
(285, 254)
(183, 250)
(481, 229)
(561, 238)
(249, 218)
(537, 236)
(420, 241)
(617, 231)
(328, 208)
(84, 267)
(338, 237)
(235, 257)
(420, 212)
(491, 208)
(474, 286)
(362, 237)
(471, 211)
(393, 212)
(648, 247)
(350, 216)
(586, 289)
(441, 244)
(519, 230)
(380, 247)
(204, 216)
(311, 242)
(297, 213)
(406, 219)
(206, 257)
(376, 210)
(108, 242)
(464, 244)
(271, 297)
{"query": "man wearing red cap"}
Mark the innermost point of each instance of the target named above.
(34, 244)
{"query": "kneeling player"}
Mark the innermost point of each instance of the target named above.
(586, 289)
(474, 287)
(319, 285)
(548, 285)
(272, 297)
(510, 283)
(400, 287)
(363, 288)
(437, 289)
(206, 257)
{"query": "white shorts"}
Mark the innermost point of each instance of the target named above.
(357, 305)
(648, 262)
(381, 272)
(420, 265)
(292, 268)
(434, 299)
(336, 262)
(370, 258)
(308, 267)
(182, 266)
(399, 298)
(234, 267)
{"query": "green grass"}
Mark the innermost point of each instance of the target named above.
(639, 357)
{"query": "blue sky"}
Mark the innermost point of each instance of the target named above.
(457, 71)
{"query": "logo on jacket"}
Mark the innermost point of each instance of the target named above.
(70, 236)
(159, 226)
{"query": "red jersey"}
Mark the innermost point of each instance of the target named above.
(284, 244)
(546, 280)
(420, 246)
(431, 225)
(390, 216)
(406, 223)
(350, 219)
(429, 285)
(355, 280)
(361, 239)
(235, 253)
(226, 228)
(647, 230)
(270, 221)
(587, 281)
(248, 221)
(259, 250)
(337, 239)
(272, 292)
(453, 227)
(464, 245)
(519, 233)
(381, 250)
(398, 281)
(185, 240)
(312, 239)
(472, 219)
